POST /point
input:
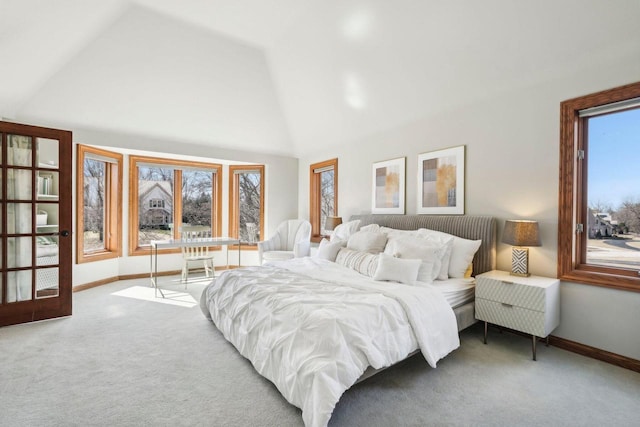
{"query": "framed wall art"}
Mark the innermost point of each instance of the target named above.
(441, 182)
(388, 187)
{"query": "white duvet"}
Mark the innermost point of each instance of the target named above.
(312, 327)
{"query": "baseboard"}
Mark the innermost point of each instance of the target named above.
(108, 280)
(595, 353)
(90, 285)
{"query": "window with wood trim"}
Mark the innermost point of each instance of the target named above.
(98, 204)
(164, 194)
(599, 206)
(323, 196)
(246, 203)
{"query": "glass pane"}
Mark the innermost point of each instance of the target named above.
(48, 185)
(19, 150)
(19, 184)
(19, 218)
(19, 285)
(94, 208)
(19, 252)
(155, 204)
(196, 197)
(46, 217)
(613, 197)
(46, 250)
(47, 153)
(249, 200)
(326, 199)
(47, 282)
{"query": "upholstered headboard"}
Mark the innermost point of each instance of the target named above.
(466, 226)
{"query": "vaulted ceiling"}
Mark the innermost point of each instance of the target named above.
(287, 76)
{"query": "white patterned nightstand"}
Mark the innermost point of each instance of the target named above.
(526, 304)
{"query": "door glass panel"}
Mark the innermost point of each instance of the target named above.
(47, 185)
(19, 150)
(47, 217)
(47, 153)
(19, 184)
(46, 250)
(19, 285)
(19, 218)
(18, 252)
(47, 282)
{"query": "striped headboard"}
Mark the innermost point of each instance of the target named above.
(466, 226)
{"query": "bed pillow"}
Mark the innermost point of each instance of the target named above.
(345, 230)
(397, 269)
(461, 254)
(430, 254)
(329, 250)
(367, 241)
(362, 262)
(371, 227)
(445, 240)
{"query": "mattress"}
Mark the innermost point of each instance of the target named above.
(457, 292)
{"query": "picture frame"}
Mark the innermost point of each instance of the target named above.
(388, 186)
(440, 189)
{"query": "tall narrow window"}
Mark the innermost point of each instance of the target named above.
(165, 194)
(246, 206)
(599, 217)
(323, 193)
(99, 201)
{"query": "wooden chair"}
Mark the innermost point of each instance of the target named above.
(196, 253)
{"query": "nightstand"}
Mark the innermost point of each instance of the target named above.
(526, 304)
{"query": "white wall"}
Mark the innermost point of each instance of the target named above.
(280, 173)
(512, 156)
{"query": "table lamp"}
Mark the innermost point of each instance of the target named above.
(520, 233)
(332, 222)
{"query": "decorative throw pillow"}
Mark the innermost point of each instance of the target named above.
(367, 241)
(345, 230)
(397, 269)
(329, 250)
(443, 239)
(430, 254)
(362, 262)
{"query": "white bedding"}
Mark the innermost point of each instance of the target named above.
(456, 291)
(312, 327)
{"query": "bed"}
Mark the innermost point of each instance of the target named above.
(314, 327)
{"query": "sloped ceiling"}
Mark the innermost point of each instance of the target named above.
(288, 76)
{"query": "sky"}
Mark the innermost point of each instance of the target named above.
(614, 158)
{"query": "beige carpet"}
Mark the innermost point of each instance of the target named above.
(126, 358)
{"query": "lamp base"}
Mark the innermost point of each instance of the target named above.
(520, 262)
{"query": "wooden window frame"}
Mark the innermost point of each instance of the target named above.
(234, 201)
(216, 197)
(572, 248)
(113, 205)
(315, 195)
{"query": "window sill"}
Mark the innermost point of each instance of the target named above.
(596, 278)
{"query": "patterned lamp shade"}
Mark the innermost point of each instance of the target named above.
(521, 233)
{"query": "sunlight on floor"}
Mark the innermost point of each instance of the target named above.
(147, 293)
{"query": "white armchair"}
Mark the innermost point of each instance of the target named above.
(292, 239)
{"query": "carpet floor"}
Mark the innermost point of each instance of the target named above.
(126, 358)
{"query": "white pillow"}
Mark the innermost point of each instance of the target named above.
(329, 250)
(362, 262)
(397, 269)
(461, 254)
(430, 254)
(367, 241)
(445, 240)
(345, 230)
(371, 227)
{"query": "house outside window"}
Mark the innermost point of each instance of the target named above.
(599, 209)
(164, 194)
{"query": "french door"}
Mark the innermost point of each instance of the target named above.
(35, 223)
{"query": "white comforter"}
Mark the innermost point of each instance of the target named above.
(312, 327)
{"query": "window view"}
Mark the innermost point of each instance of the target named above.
(155, 199)
(599, 203)
(246, 206)
(99, 195)
(94, 197)
(323, 196)
(169, 194)
(613, 171)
